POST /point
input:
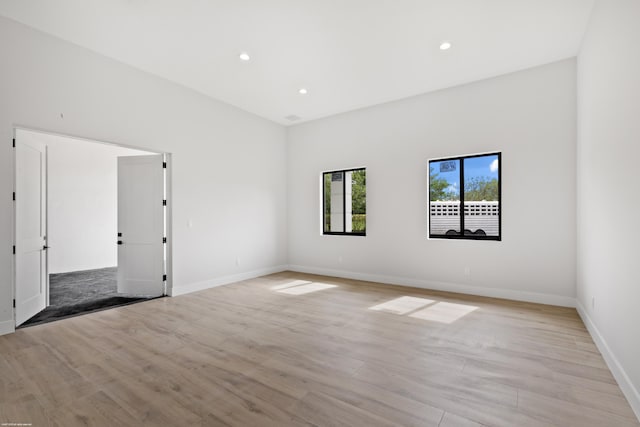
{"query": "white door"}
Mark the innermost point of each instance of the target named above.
(31, 229)
(141, 225)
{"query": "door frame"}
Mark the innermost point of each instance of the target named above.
(168, 262)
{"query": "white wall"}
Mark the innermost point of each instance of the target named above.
(529, 116)
(82, 201)
(229, 167)
(608, 195)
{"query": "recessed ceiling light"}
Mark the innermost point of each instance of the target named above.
(445, 46)
(244, 56)
(302, 91)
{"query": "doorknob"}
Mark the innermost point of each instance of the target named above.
(119, 242)
(45, 247)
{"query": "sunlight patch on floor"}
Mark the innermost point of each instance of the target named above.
(306, 289)
(402, 305)
(290, 284)
(425, 309)
(444, 312)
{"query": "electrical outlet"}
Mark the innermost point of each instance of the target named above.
(238, 261)
(467, 271)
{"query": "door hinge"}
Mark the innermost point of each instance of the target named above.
(14, 196)
(164, 240)
(14, 143)
(14, 303)
(164, 277)
(164, 203)
(164, 165)
(14, 249)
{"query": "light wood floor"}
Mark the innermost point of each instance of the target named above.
(264, 352)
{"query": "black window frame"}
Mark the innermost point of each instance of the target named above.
(463, 236)
(344, 205)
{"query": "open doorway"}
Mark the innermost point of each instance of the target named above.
(90, 226)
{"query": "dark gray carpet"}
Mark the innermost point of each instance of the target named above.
(80, 292)
(82, 286)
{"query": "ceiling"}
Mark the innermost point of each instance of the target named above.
(348, 54)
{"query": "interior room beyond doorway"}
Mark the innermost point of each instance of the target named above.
(82, 225)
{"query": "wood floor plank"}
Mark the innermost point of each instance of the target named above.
(598, 395)
(376, 400)
(451, 420)
(293, 349)
(550, 409)
(96, 409)
(24, 413)
(322, 410)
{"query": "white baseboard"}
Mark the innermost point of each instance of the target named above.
(627, 387)
(225, 280)
(539, 298)
(7, 327)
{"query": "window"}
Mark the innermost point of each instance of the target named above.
(344, 195)
(469, 181)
